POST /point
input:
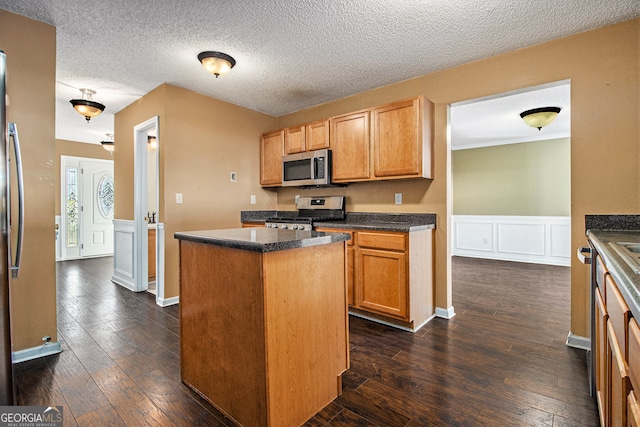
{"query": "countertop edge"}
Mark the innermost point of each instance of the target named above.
(273, 246)
(627, 280)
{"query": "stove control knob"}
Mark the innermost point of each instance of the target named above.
(284, 226)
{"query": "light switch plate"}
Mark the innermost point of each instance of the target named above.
(253, 199)
(179, 198)
(234, 177)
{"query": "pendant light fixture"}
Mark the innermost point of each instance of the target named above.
(540, 117)
(86, 105)
(217, 63)
(108, 144)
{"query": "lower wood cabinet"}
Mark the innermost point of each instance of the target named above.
(617, 353)
(390, 275)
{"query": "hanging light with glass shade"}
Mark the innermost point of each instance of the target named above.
(217, 63)
(108, 144)
(540, 117)
(86, 105)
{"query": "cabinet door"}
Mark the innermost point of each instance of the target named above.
(401, 140)
(633, 410)
(350, 145)
(271, 149)
(601, 356)
(294, 140)
(382, 282)
(619, 314)
(618, 387)
(317, 135)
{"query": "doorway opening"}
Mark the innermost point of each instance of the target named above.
(86, 214)
(510, 183)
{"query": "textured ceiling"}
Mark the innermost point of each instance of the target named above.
(291, 54)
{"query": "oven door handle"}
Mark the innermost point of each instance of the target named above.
(584, 254)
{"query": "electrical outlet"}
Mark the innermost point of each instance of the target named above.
(398, 198)
(179, 198)
(253, 199)
(234, 177)
(296, 198)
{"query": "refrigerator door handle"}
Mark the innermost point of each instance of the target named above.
(15, 265)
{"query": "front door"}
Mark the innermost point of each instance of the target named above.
(97, 208)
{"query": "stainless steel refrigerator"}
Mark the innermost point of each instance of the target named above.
(10, 266)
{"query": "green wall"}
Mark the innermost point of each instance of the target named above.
(530, 179)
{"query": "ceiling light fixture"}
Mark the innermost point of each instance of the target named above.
(540, 117)
(86, 105)
(109, 144)
(217, 63)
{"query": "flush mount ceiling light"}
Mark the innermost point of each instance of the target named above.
(86, 105)
(540, 117)
(217, 63)
(108, 144)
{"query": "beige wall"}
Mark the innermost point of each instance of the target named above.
(202, 140)
(32, 77)
(532, 178)
(75, 149)
(603, 66)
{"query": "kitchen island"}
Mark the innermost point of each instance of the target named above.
(263, 321)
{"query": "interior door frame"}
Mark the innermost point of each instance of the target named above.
(140, 191)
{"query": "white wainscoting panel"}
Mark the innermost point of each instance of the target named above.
(123, 253)
(534, 239)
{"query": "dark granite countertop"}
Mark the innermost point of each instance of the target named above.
(405, 222)
(261, 239)
(628, 281)
(605, 229)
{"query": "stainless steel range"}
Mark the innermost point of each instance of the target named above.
(310, 210)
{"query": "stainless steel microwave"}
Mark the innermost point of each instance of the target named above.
(309, 168)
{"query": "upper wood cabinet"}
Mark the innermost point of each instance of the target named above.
(317, 135)
(308, 137)
(271, 151)
(295, 140)
(401, 139)
(392, 141)
(350, 147)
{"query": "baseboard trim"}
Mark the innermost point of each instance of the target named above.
(445, 313)
(36, 352)
(124, 283)
(166, 302)
(576, 341)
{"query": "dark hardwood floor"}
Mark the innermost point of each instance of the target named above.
(501, 361)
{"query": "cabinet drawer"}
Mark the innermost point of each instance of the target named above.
(634, 354)
(388, 241)
(619, 314)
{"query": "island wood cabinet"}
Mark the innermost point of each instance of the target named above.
(617, 353)
(271, 150)
(264, 335)
(390, 275)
